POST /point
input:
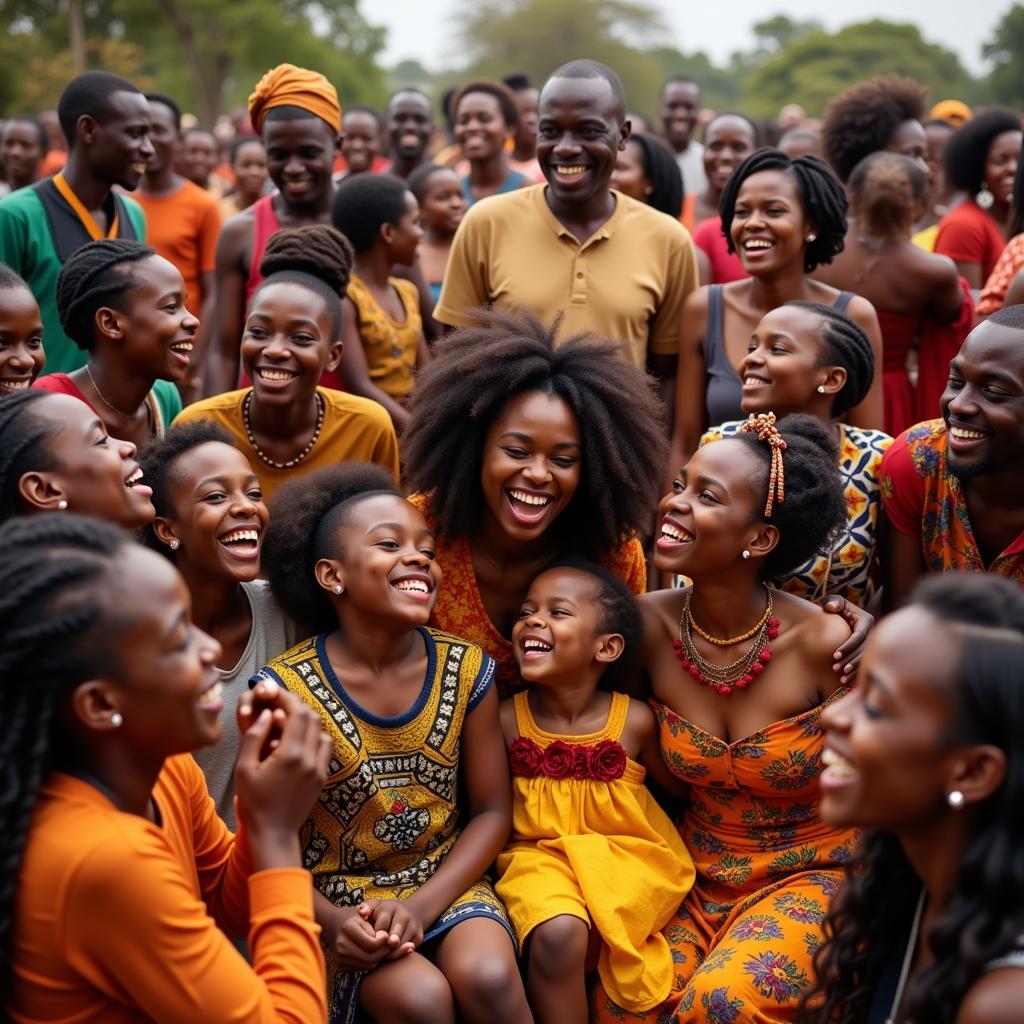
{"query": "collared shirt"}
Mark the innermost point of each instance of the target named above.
(628, 281)
(922, 498)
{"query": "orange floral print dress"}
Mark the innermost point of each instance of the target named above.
(767, 866)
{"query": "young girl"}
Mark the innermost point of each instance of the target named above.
(412, 928)
(581, 813)
(125, 305)
(21, 334)
(442, 206)
(210, 523)
(285, 423)
(382, 329)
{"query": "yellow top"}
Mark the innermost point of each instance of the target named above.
(571, 837)
(390, 346)
(354, 428)
(628, 281)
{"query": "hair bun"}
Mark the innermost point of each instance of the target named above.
(319, 250)
(802, 427)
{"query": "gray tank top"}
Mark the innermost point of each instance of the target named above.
(724, 391)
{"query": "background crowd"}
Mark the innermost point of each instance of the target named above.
(413, 520)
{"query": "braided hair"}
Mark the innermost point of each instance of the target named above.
(821, 195)
(315, 256)
(53, 568)
(984, 914)
(99, 274)
(477, 371)
(844, 344)
(24, 431)
(304, 515)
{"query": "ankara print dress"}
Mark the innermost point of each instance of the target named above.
(767, 866)
(387, 816)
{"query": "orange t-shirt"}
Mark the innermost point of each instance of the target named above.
(122, 921)
(183, 227)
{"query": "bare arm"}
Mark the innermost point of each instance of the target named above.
(356, 372)
(1015, 293)
(947, 296)
(971, 272)
(904, 566)
(690, 415)
(220, 361)
(870, 414)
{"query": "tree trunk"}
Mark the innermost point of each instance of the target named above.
(76, 31)
(209, 88)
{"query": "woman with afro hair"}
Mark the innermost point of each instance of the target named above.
(520, 452)
(884, 112)
(981, 160)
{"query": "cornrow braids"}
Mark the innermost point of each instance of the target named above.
(315, 256)
(157, 461)
(822, 197)
(476, 371)
(52, 570)
(844, 344)
(96, 275)
(24, 430)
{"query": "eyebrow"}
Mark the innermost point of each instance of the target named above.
(223, 480)
(294, 322)
(529, 440)
(562, 600)
(399, 528)
(710, 481)
(1003, 378)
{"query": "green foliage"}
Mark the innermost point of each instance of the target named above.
(720, 88)
(1005, 50)
(813, 70)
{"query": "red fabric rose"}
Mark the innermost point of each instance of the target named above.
(582, 770)
(525, 757)
(607, 760)
(559, 760)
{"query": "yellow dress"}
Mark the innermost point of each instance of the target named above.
(595, 845)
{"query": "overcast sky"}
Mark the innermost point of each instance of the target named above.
(422, 29)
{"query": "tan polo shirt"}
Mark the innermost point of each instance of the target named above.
(628, 281)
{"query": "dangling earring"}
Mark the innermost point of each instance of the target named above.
(746, 554)
(338, 588)
(174, 543)
(821, 389)
(811, 237)
(984, 198)
(955, 799)
(116, 720)
(62, 504)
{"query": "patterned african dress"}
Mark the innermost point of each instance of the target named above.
(846, 568)
(924, 500)
(388, 816)
(767, 866)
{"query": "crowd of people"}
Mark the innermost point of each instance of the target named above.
(552, 567)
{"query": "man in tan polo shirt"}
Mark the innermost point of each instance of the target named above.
(609, 263)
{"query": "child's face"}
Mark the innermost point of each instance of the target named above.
(21, 340)
(406, 234)
(558, 632)
(444, 203)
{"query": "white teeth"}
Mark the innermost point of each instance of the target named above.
(571, 172)
(837, 764)
(965, 435)
(754, 381)
(530, 499)
(536, 645)
(134, 478)
(757, 243)
(182, 346)
(675, 533)
(14, 385)
(241, 535)
(211, 696)
(277, 374)
(416, 586)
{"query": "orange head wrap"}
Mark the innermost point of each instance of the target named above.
(289, 86)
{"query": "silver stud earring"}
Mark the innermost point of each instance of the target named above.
(984, 198)
(746, 553)
(174, 543)
(338, 588)
(821, 389)
(62, 504)
(811, 237)
(116, 720)
(955, 799)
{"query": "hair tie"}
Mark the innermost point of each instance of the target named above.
(763, 424)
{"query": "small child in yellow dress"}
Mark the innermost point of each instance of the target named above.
(594, 866)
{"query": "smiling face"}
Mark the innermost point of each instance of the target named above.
(769, 228)
(168, 691)
(531, 464)
(288, 342)
(580, 133)
(983, 404)
(1001, 165)
(629, 176)
(155, 330)
(250, 167)
(300, 159)
(96, 474)
(384, 558)
(217, 512)
(480, 126)
(410, 122)
(444, 203)
(21, 152)
(163, 134)
(783, 369)
(728, 141)
(361, 143)
(886, 760)
(199, 156)
(558, 634)
(678, 110)
(119, 146)
(21, 340)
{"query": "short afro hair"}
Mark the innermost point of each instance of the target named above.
(364, 203)
(823, 199)
(966, 151)
(620, 613)
(37, 126)
(814, 511)
(595, 69)
(363, 108)
(88, 94)
(661, 170)
(157, 461)
(305, 513)
(864, 118)
(1008, 316)
(418, 183)
(501, 92)
(477, 371)
(166, 101)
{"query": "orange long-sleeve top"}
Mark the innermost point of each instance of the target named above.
(122, 921)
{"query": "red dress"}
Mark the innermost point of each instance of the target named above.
(967, 234)
(725, 266)
(899, 332)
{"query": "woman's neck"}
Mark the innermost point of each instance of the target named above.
(566, 701)
(489, 172)
(502, 550)
(374, 266)
(437, 237)
(771, 291)
(126, 781)
(936, 853)
(117, 385)
(286, 423)
(728, 604)
(219, 604)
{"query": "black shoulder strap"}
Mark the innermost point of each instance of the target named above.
(66, 230)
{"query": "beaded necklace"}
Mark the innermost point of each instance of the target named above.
(273, 463)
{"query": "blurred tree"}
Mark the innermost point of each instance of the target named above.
(1005, 50)
(776, 33)
(814, 69)
(720, 89)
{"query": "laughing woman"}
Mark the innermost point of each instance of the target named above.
(783, 217)
(285, 423)
(210, 523)
(126, 306)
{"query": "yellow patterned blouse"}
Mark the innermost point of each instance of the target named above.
(391, 347)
